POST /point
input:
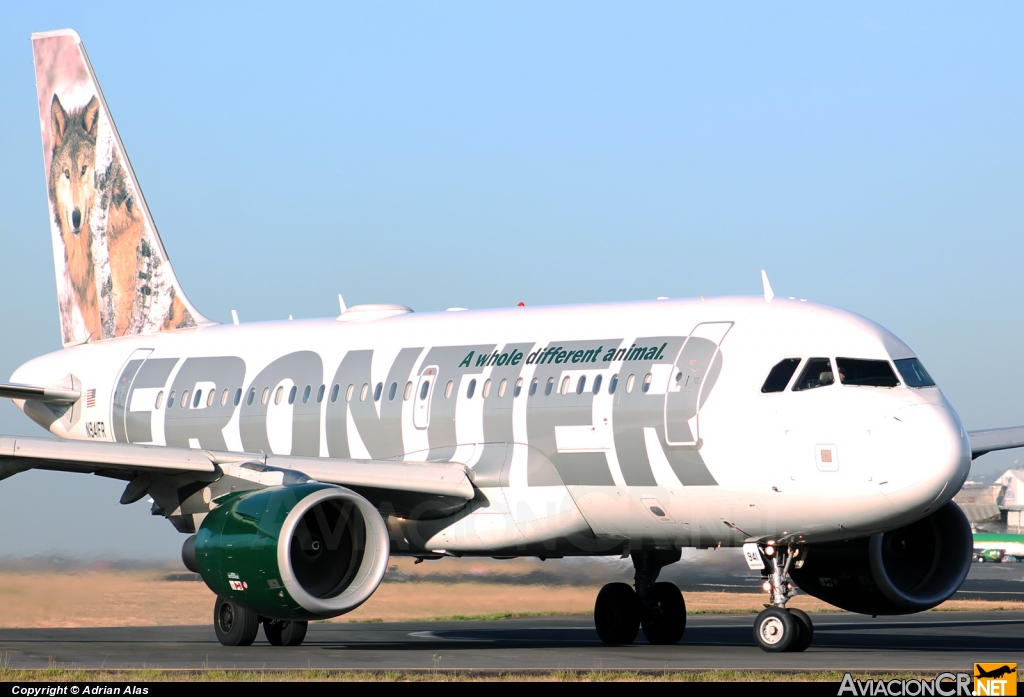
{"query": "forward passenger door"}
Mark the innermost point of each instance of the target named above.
(694, 373)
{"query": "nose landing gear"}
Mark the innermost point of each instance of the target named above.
(620, 611)
(776, 628)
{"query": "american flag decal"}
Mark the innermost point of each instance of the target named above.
(90, 398)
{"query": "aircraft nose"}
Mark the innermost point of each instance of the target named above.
(929, 458)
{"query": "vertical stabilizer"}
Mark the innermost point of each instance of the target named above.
(113, 275)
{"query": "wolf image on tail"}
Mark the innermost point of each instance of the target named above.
(72, 196)
(113, 275)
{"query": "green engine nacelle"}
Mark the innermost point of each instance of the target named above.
(300, 552)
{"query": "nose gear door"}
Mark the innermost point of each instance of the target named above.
(694, 374)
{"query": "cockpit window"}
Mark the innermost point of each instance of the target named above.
(818, 373)
(780, 375)
(859, 371)
(914, 373)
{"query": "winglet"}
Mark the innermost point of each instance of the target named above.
(341, 304)
(768, 292)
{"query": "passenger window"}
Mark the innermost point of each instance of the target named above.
(448, 389)
(486, 392)
(533, 386)
(597, 384)
(425, 389)
(279, 394)
(334, 392)
(251, 397)
(170, 399)
(198, 397)
(565, 385)
(818, 373)
(779, 376)
(184, 399)
(629, 383)
(238, 396)
(292, 393)
(549, 386)
(320, 393)
(213, 395)
(581, 384)
(363, 391)
(159, 399)
(306, 394)
(393, 391)
(647, 382)
(613, 383)
(408, 390)
(518, 389)
(866, 373)
(348, 393)
(914, 373)
(501, 388)
(377, 391)
(224, 397)
(265, 396)
(471, 390)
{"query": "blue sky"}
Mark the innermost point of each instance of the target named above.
(479, 155)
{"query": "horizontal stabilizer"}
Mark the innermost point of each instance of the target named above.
(48, 395)
(995, 439)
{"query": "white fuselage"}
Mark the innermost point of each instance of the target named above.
(693, 455)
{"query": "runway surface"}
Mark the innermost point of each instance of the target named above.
(928, 641)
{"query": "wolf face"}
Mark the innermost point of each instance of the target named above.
(72, 188)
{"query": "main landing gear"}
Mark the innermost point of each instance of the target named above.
(777, 628)
(620, 611)
(238, 626)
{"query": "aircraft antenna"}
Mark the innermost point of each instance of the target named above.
(768, 292)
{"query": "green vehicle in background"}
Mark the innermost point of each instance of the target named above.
(995, 547)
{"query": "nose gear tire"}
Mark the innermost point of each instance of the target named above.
(617, 614)
(664, 622)
(806, 631)
(234, 624)
(775, 630)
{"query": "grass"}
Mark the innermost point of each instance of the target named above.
(57, 674)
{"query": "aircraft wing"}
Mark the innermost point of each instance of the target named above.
(995, 439)
(400, 483)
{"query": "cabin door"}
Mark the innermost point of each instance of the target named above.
(693, 375)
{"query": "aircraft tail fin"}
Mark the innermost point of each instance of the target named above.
(113, 275)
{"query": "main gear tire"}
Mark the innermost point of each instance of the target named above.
(665, 621)
(285, 633)
(775, 630)
(617, 614)
(234, 624)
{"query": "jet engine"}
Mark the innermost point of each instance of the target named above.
(906, 570)
(302, 552)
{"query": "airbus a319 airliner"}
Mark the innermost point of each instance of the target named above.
(298, 456)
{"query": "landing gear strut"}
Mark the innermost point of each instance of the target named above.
(620, 611)
(776, 628)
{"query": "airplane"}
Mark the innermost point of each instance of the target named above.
(298, 456)
(993, 546)
(995, 672)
